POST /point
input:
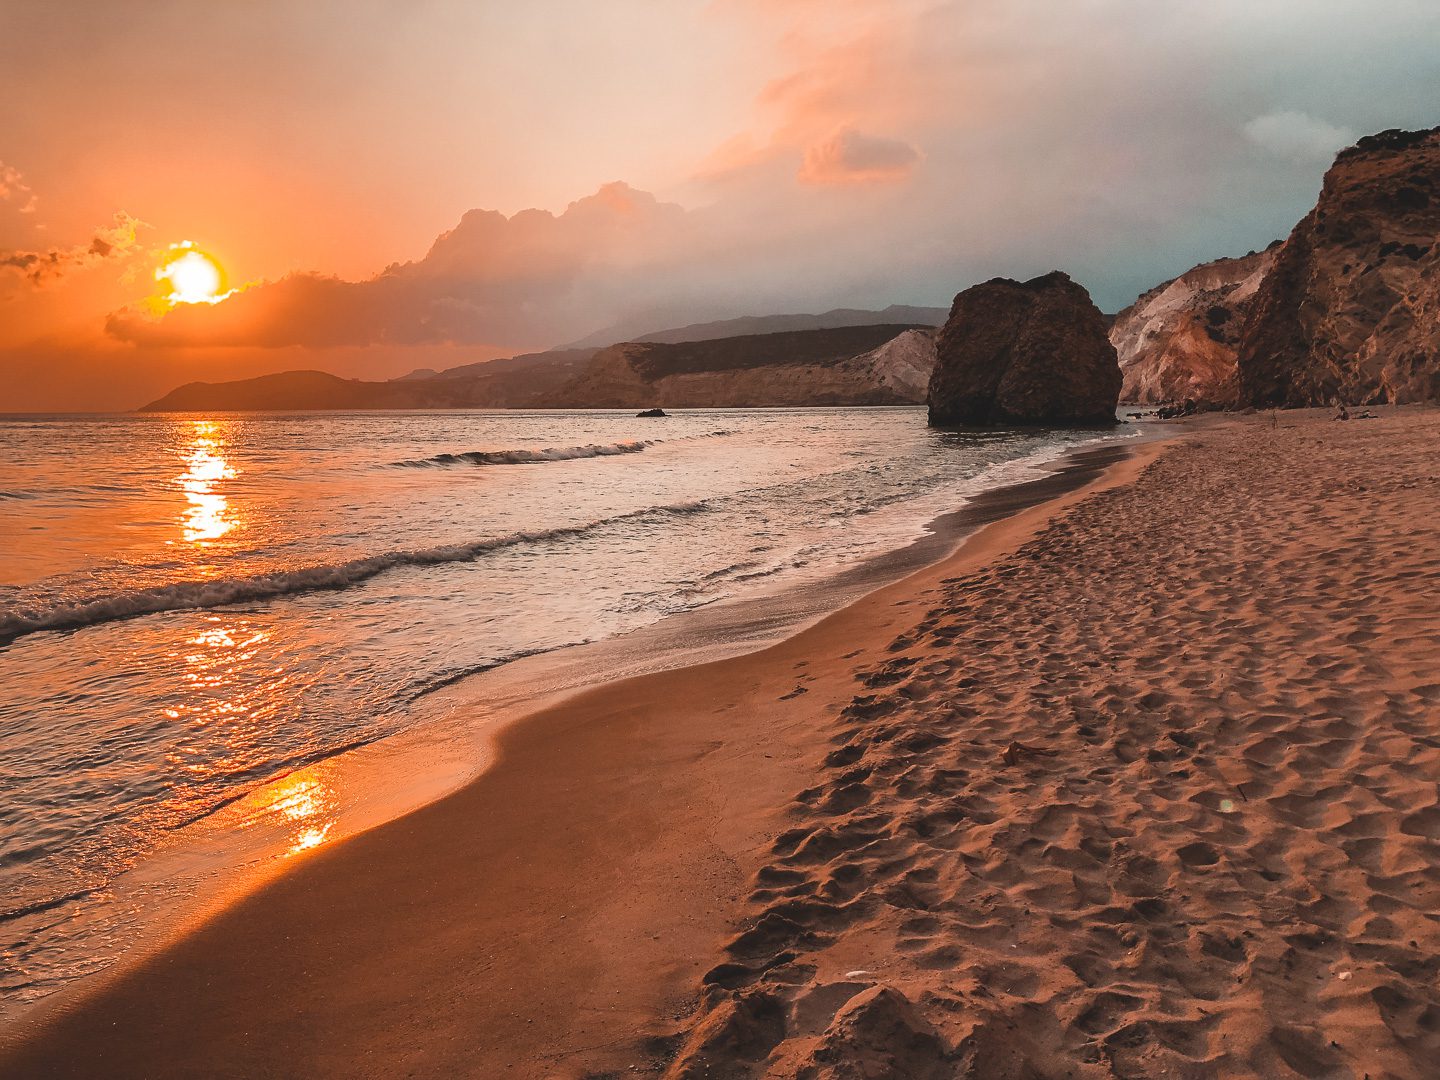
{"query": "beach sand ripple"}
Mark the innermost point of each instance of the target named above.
(1155, 795)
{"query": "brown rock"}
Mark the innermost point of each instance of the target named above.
(1179, 340)
(739, 1030)
(877, 1035)
(1351, 309)
(1024, 353)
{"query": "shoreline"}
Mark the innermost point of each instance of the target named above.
(255, 836)
(981, 510)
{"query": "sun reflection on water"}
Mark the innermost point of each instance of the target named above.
(209, 515)
(302, 803)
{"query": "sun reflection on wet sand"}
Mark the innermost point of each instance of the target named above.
(209, 515)
(302, 803)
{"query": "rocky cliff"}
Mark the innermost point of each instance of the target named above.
(1351, 309)
(1179, 340)
(1032, 352)
(860, 365)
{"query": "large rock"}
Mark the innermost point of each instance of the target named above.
(1031, 352)
(1351, 309)
(1178, 341)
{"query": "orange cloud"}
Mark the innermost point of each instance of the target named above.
(14, 189)
(841, 73)
(114, 242)
(491, 279)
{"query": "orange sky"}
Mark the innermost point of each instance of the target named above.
(717, 158)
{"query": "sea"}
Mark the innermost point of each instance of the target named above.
(203, 618)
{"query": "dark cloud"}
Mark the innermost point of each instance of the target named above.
(851, 156)
(39, 267)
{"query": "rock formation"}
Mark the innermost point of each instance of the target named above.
(1024, 353)
(1178, 341)
(1351, 309)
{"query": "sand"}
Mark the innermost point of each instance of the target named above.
(1141, 781)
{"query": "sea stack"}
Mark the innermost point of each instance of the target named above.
(1351, 309)
(1024, 353)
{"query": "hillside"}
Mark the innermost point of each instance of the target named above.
(848, 365)
(834, 366)
(749, 325)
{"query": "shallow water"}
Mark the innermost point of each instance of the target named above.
(192, 606)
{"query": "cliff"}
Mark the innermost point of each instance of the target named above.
(1179, 340)
(836, 366)
(1351, 309)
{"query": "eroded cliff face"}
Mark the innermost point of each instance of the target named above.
(865, 365)
(1180, 339)
(1350, 311)
(1033, 352)
(902, 365)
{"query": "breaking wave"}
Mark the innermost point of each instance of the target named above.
(526, 457)
(191, 595)
(556, 453)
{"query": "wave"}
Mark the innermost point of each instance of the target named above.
(192, 595)
(526, 457)
(16, 495)
(536, 457)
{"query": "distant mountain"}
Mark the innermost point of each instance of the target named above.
(748, 325)
(519, 382)
(862, 365)
(552, 367)
(832, 366)
(291, 390)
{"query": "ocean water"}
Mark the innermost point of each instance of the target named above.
(194, 606)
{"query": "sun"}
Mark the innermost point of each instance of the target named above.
(193, 275)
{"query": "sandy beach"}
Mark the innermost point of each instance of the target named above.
(1141, 781)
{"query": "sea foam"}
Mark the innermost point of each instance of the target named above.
(191, 595)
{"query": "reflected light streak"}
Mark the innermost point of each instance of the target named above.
(209, 516)
(302, 803)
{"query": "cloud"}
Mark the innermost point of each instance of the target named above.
(113, 242)
(1110, 139)
(13, 189)
(850, 157)
(535, 276)
(1297, 136)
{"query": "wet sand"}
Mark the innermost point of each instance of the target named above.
(1141, 781)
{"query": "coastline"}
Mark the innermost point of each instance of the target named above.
(521, 746)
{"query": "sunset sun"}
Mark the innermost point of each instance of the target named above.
(193, 275)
